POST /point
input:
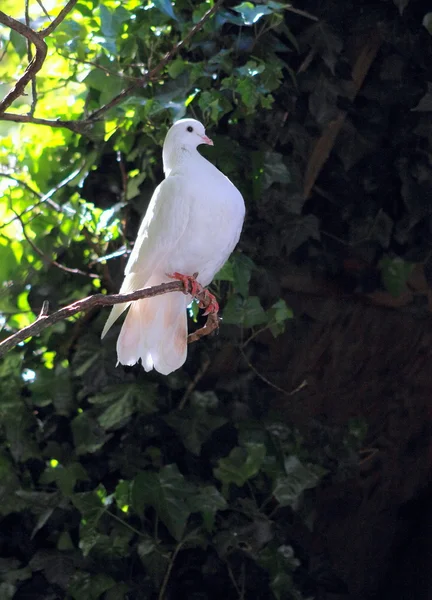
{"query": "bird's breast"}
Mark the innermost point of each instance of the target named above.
(214, 225)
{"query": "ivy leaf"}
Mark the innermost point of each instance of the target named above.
(401, 5)
(19, 43)
(252, 13)
(298, 229)
(298, 478)
(394, 274)
(280, 562)
(168, 493)
(240, 465)
(89, 586)
(207, 501)
(7, 591)
(154, 560)
(275, 170)
(176, 68)
(195, 425)
(88, 434)
(242, 270)
(277, 315)
(125, 399)
(226, 273)
(165, 6)
(247, 312)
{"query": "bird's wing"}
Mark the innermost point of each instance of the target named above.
(164, 223)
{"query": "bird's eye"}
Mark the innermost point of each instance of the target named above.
(190, 129)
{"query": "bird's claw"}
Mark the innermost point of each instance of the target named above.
(210, 302)
(191, 286)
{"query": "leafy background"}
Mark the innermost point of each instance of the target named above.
(290, 457)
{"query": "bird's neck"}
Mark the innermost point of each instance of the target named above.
(177, 157)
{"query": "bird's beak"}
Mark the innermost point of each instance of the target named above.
(206, 140)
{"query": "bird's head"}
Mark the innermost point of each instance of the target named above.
(184, 135)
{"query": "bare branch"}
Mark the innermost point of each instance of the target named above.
(76, 126)
(100, 67)
(44, 9)
(59, 18)
(44, 320)
(30, 58)
(34, 65)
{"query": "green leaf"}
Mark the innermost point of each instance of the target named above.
(277, 315)
(280, 562)
(8, 262)
(196, 424)
(154, 559)
(65, 476)
(240, 465)
(88, 434)
(207, 501)
(252, 13)
(19, 43)
(125, 399)
(275, 170)
(165, 6)
(242, 269)
(226, 273)
(7, 591)
(168, 493)
(298, 229)
(247, 312)
(176, 68)
(401, 5)
(289, 489)
(394, 274)
(88, 586)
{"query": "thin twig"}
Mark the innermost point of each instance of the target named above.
(124, 176)
(30, 58)
(301, 13)
(303, 384)
(100, 67)
(76, 126)
(194, 382)
(59, 18)
(33, 67)
(86, 304)
(173, 556)
(44, 10)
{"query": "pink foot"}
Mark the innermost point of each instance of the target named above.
(189, 282)
(195, 289)
(210, 301)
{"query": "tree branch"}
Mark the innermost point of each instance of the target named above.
(59, 18)
(76, 126)
(44, 320)
(33, 67)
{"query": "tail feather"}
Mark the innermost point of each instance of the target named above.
(155, 331)
(132, 282)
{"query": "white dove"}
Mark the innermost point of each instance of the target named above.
(192, 224)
